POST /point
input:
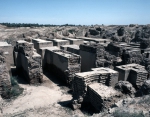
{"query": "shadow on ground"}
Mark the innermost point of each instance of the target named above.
(66, 104)
(54, 79)
(18, 76)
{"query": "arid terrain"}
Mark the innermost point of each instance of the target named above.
(53, 98)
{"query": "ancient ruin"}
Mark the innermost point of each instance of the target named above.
(80, 82)
(98, 66)
(134, 73)
(28, 62)
(5, 83)
(101, 96)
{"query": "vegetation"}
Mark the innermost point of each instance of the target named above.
(145, 100)
(15, 90)
(120, 113)
(33, 25)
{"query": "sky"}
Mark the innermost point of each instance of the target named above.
(83, 12)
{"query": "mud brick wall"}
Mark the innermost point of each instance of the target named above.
(59, 42)
(137, 76)
(45, 55)
(39, 43)
(101, 96)
(63, 64)
(80, 82)
(5, 82)
(124, 70)
(28, 63)
(8, 54)
(107, 76)
(134, 73)
(89, 54)
(74, 41)
(74, 50)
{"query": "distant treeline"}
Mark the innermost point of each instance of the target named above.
(33, 25)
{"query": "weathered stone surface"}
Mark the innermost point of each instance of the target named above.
(101, 96)
(134, 73)
(5, 83)
(28, 62)
(63, 64)
(102, 75)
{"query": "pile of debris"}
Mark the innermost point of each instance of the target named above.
(132, 56)
(146, 87)
(126, 88)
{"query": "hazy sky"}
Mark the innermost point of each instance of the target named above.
(84, 12)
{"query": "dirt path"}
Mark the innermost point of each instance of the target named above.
(47, 100)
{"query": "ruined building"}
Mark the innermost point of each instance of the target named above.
(5, 71)
(102, 97)
(134, 73)
(90, 53)
(62, 63)
(80, 82)
(28, 62)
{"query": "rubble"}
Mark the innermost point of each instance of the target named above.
(7, 51)
(146, 87)
(125, 87)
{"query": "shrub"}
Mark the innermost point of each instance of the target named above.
(15, 90)
(120, 113)
(144, 100)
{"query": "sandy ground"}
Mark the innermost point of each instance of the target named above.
(50, 99)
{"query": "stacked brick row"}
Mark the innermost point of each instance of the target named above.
(28, 62)
(134, 73)
(95, 55)
(139, 75)
(5, 83)
(93, 48)
(102, 97)
(63, 64)
(80, 82)
(91, 56)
